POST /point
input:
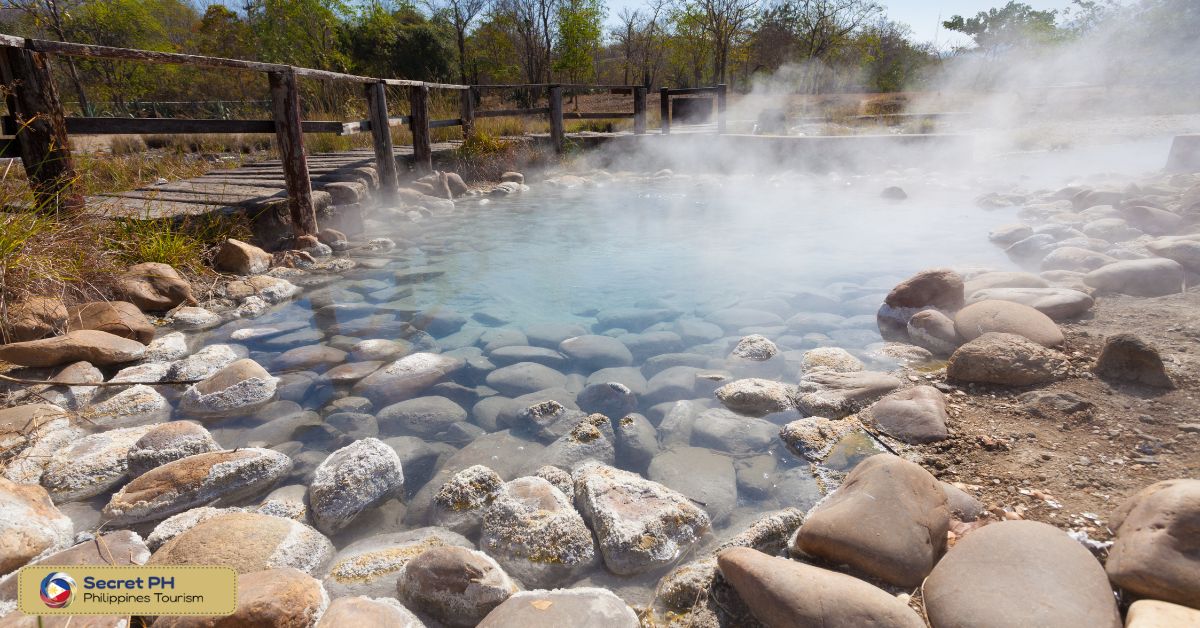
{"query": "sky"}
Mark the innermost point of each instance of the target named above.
(924, 16)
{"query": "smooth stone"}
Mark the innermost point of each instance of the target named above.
(934, 331)
(91, 465)
(524, 378)
(88, 345)
(350, 372)
(1006, 317)
(591, 352)
(34, 318)
(534, 532)
(364, 611)
(454, 585)
(835, 395)
(71, 397)
(406, 377)
(782, 592)
(1154, 551)
(1158, 614)
(695, 331)
(611, 399)
(578, 607)
(242, 258)
(353, 479)
(239, 388)
(550, 335)
(939, 288)
(1002, 279)
(1056, 303)
(426, 417)
(1075, 259)
(660, 363)
(1019, 574)
(272, 597)
(671, 384)
(632, 319)
(1184, 251)
(1007, 360)
(727, 431)
(167, 348)
(914, 415)
(962, 505)
(247, 542)
(133, 406)
(153, 287)
(888, 519)
(312, 358)
(832, 359)
(704, 476)
(734, 319)
(371, 566)
(636, 441)
(205, 362)
(379, 350)
(119, 318)
(119, 548)
(30, 524)
(505, 356)
(1142, 277)
(168, 442)
(194, 319)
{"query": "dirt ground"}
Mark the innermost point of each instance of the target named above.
(1071, 458)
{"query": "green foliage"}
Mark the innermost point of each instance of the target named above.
(579, 31)
(138, 241)
(400, 44)
(479, 144)
(1013, 25)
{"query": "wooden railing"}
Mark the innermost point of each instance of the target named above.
(716, 93)
(42, 130)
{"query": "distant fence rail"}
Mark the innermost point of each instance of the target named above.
(42, 130)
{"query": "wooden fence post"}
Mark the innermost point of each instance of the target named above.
(664, 109)
(467, 111)
(557, 133)
(418, 96)
(721, 89)
(639, 110)
(41, 130)
(285, 105)
(381, 137)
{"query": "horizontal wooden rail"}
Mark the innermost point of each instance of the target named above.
(500, 113)
(685, 91)
(597, 115)
(148, 126)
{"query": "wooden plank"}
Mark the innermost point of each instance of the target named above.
(114, 207)
(42, 134)
(441, 124)
(219, 188)
(466, 111)
(285, 100)
(148, 56)
(687, 91)
(597, 115)
(639, 110)
(557, 137)
(418, 96)
(498, 113)
(234, 200)
(146, 126)
(664, 109)
(381, 139)
(10, 40)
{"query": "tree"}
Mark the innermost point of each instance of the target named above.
(54, 16)
(399, 43)
(724, 21)
(1014, 25)
(460, 14)
(579, 32)
(639, 41)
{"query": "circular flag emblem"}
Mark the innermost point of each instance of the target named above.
(57, 590)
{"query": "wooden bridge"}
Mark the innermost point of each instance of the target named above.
(40, 132)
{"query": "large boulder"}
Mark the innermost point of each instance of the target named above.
(34, 318)
(282, 598)
(756, 397)
(351, 480)
(1015, 574)
(782, 592)
(454, 585)
(836, 395)
(406, 377)
(1184, 251)
(242, 258)
(29, 524)
(247, 542)
(91, 465)
(1139, 277)
(97, 347)
(534, 532)
(237, 389)
(579, 607)
(1156, 552)
(461, 501)
(371, 566)
(364, 611)
(168, 442)
(154, 287)
(889, 519)
(914, 415)
(215, 477)
(939, 288)
(1006, 317)
(1128, 358)
(1007, 360)
(1156, 614)
(1056, 303)
(639, 524)
(119, 318)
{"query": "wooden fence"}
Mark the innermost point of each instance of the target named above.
(42, 130)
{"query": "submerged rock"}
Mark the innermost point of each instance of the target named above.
(351, 480)
(239, 388)
(755, 347)
(460, 503)
(454, 585)
(640, 525)
(136, 405)
(579, 607)
(756, 397)
(406, 377)
(533, 531)
(371, 566)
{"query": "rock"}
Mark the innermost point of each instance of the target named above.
(832, 359)
(221, 477)
(154, 287)
(1007, 360)
(97, 347)
(91, 465)
(1140, 277)
(962, 505)
(723, 430)
(636, 441)
(166, 348)
(287, 598)
(166, 443)
(513, 177)
(136, 405)
(695, 331)
(34, 318)
(671, 384)
(460, 503)
(350, 372)
(72, 397)
(438, 321)
(1019, 573)
(270, 289)
(533, 531)
(634, 320)
(1154, 552)
(454, 585)
(590, 438)
(1111, 229)
(591, 353)
(247, 542)
(1151, 219)
(524, 378)
(608, 398)
(351, 480)
(1156, 614)
(1075, 259)
(893, 193)
(204, 363)
(755, 347)
(119, 318)
(549, 335)
(1056, 303)
(934, 331)
(756, 397)
(579, 607)
(736, 318)
(371, 566)
(29, 525)
(702, 475)
(811, 438)
(379, 350)
(888, 519)
(1185, 252)
(1128, 358)
(835, 395)
(426, 417)
(1008, 234)
(939, 288)
(505, 356)
(640, 525)
(194, 318)
(782, 592)
(1002, 279)
(312, 357)
(237, 389)
(364, 611)
(241, 258)
(915, 415)
(406, 377)
(1006, 317)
